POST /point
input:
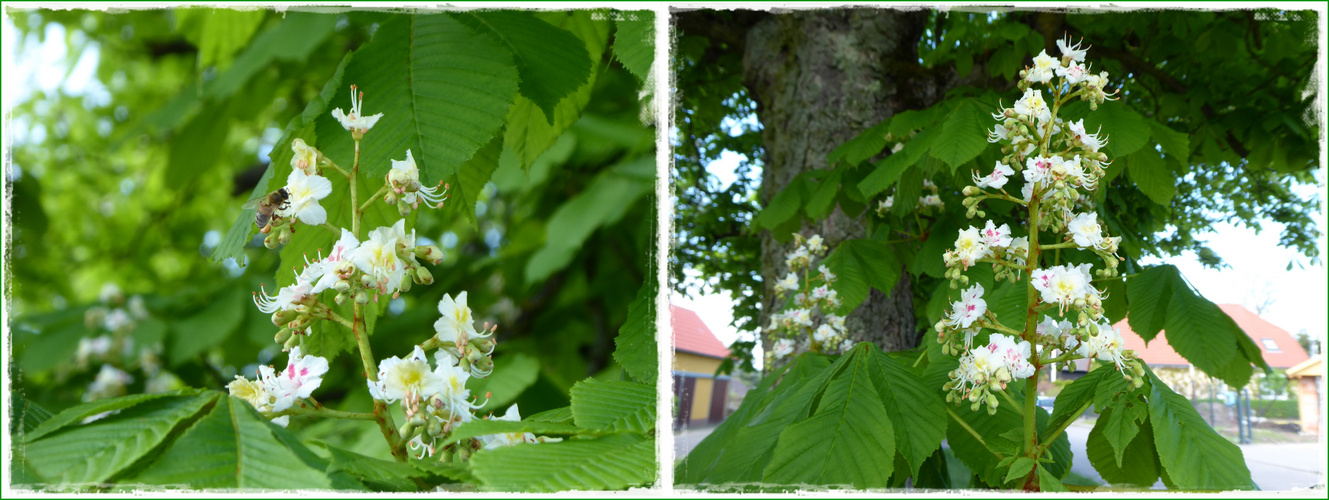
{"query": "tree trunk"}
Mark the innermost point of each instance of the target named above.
(820, 78)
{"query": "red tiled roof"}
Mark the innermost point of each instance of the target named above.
(1159, 353)
(692, 336)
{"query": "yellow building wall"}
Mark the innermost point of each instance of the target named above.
(701, 399)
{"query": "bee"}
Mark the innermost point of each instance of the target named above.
(266, 206)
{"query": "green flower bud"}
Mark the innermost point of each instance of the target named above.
(423, 276)
(270, 242)
(282, 317)
(292, 342)
(284, 236)
(340, 298)
(362, 297)
(282, 336)
(403, 208)
(391, 198)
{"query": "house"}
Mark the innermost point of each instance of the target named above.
(699, 395)
(1278, 348)
(1310, 392)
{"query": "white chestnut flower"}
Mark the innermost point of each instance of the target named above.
(356, 122)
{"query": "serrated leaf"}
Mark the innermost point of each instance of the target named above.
(513, 373)
(473, 176)
(858, 264)
(96, 452)
(444, 91)
(1076, 395)
(382, 474)
(885, 173)
(1020, 469)
(197, 146)
(613, 405)
(1175, 144)
(783, 205)
(602, 203)
(1193, 454)
(1125, 130)
(1138, 463)
(1149, 293)
(551, 62)
(218, 33)
(635, 346)
(865, 145)
(612, 462)
(1203, 334)
(847, 438)
(963, 135)
(634, 41)
(485, 427)
(1152, 176)
(293, 39)
(1121, 424)
(919, 413)
(1049, 482)
(823, 196)
(232, 446)
(557, 415)
(980, 459)
(529, 132)
(78, 413)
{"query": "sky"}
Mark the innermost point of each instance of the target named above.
(1258, 271)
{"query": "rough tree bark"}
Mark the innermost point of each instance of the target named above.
(820, 78)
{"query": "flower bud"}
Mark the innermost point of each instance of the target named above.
(291, 342)
(284, 236)
(283, 316)
(340, 298)
(485, 364)
(975, 406)
(971, 190)
(299, 323)
(270, 242)
(390, 198)
(423, 276)
(362, 297)
(283, 336)
(485, 346)
(403, 208)
(429, 253)
(435, 428)
(991, 401)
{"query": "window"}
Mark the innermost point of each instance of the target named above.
(1269, 345)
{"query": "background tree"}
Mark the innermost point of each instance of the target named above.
(140, 182)
(1214, 126)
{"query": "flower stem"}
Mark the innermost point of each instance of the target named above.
(1061, 428)
(370, 200)
(355, 198)
(971, 431)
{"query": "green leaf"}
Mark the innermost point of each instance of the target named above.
(1125, 129)
(557, 415)
(1136, 465)
(602, 203)
(96, 452)
(940, 237)
(635, 346)
(197, 146)
(293, 39)
(1048, 481)
(858, 264)
(1203, 334)
(613, 405)
(1193, 454)
(885, 173)
(1153, 177)
(1020, 469)
(980, 458)
(919, 414)
(473, 176)
(484, 427)
(232, 446)
(783, 205)
(1076, 395)
(551, 62)
(847, 438)
(823, 196)
(1120, 424)
(209, 327)
(218, 33)
(612, 462)
(443, 89)
(865, 145)
(380, 474)
(29, 415)
(1149, 293)
(907, 193)
(78, 413)
(634, 41)
(963, 135)
(513, 373)
(1175, 144)
(529, 132)
(1010, 302)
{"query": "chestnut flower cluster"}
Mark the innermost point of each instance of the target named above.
(808, 321)
(114, 349)
(1061, 166)
(359, 269)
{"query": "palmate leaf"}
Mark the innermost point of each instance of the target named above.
(1125, 129)
(551, 62)
(293, 39)
(995, 430)
(866, 144)
(858, 264)
(739, 449)
(1194, 456)
(209, 327)
(1137, 464)
(1075, 396)
(443, 88)
(612, 462)
(484, 427)
(529, 132)
(613, 405)
(77, 413)
(232, 446)
(962, 135)
(97, 452)
(1152, 176)
(377, 473)
(635, 346)
(218, 33)
(918, 413)
(847, 439)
